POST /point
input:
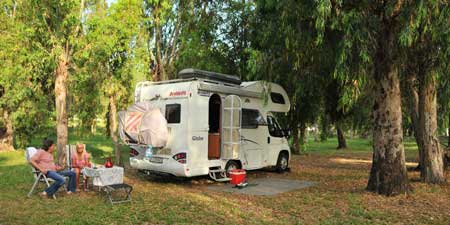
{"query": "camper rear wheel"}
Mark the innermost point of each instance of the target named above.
(283, 162)
(231, 165)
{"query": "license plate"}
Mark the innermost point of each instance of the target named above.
(156, 160)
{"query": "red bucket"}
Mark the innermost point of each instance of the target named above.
(237, 176)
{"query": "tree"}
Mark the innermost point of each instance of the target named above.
(427, 35)
(164, 21)
(210, 37)
(284, 51)
(112, 32)
(57, 26)
(334, 111)
(23, 82)
(372, 27)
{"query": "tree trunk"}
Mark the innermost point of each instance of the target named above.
(295, 140)
(413, 105)
(113, 128)
(159, 73)
(94, 126)
(432, 168)
(302, 137)
(448, 132)
(342, 144)
(388, 173)
(62, 75)
(108, 120)
(8, 140)
(324, 131)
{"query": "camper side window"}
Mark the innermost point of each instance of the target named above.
(274, 127)
(173, 113)
(251, 118)
(277, 98)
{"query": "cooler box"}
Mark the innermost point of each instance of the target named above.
(237, 176)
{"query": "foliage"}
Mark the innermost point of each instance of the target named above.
(284, 51)
(24, 81)
(106, 60)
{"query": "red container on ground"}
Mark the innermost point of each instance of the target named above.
(237, 176)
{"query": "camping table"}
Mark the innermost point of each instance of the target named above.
(110, 180)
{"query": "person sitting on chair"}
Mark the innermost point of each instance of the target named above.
(80, 159)
(43, 161)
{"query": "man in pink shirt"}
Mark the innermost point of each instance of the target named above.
(43, 161)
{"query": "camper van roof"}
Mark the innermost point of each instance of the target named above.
(195, 73)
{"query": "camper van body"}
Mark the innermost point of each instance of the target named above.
(190, 105)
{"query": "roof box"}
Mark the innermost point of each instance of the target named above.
(195, 73)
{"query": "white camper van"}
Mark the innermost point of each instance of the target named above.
(215, 123)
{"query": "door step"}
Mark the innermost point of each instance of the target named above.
(218, 175)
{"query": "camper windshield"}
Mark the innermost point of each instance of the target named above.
(274, 128)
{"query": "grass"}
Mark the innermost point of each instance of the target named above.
(339, 197)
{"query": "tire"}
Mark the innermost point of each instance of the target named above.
(231, 165)
(282, 162)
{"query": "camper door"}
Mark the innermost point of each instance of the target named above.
(231, 127)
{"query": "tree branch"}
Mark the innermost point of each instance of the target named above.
(397, 9)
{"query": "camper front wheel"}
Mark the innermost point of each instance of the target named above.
(231, 165)
(283, 162)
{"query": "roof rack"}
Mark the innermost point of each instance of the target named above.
(195, 73)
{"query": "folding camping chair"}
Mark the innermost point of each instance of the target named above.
(70, 150)
(39, 177)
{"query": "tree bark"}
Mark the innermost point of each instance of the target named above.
(8, 140)
(413, 105)
(295, 140)
(62, 75)
(342, 144)
(448, 132)
(324, 131)
(302, 137)
(113, 128)
(432, 168)
(93, 126)
(388, 174)
(159, 73)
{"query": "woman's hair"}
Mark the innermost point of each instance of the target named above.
(47, 144)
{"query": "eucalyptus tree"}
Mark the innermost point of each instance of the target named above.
(334, 111)
(112, 33)
(370, 51)
(444, 103)
(427, 37)
(202, 41)
(24, 82)
(56, 26)
(164, 20)
(284, 50)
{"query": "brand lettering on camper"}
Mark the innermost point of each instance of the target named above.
(197, 138)
(177, 93)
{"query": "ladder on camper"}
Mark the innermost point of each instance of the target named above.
(218, 174)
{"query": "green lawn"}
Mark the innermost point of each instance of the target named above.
(339, 197)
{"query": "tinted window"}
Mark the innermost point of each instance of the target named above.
(173, 113)
(251, 118)
(277, 98)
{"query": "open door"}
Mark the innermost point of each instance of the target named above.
(231, 127)
(214, 115)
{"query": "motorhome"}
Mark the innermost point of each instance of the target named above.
(215, 123)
